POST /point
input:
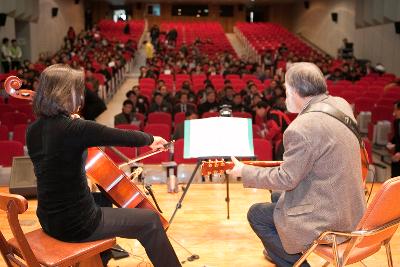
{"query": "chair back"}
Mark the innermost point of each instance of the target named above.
(125, 126)
(19, 133)
(262, 149)
(10, 149)
(383, 209)
(159, 129)
(160, 117)
(14, 205)
(3, 133)
(179, 117)
(179, 148)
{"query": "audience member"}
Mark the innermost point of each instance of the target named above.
(15, 54)
(211, 104)
(5, 55)
(93, 105)
(159, 104)
(274, 122)
(172, 35)
(179, 131)
(154, 35)
(126, 116)
(90, 79)
(139, 105)
(184, 105)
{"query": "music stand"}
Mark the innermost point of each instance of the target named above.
(217, 137)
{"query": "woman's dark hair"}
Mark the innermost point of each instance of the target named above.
(127, 102)
(129, 93)
(60, 91)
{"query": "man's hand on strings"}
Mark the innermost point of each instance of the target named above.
(237, 169)
(158, 143)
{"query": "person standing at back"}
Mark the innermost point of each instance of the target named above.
(5, 55)
(15, 54)
(320, 177)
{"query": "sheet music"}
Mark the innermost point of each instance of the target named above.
(218, 137)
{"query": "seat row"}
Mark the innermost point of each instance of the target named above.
(11, 148)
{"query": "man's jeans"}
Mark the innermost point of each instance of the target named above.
(260, 217)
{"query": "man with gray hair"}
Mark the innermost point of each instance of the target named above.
(320, 177)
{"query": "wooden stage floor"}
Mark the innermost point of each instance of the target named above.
(202, 227)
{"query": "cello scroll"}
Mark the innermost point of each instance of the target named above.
(12, 86)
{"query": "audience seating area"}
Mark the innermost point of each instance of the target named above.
(372, 92)
(211, 35)
(174, 82)
(269, 36)
(260, 37)
(116, 31)
(14, 119)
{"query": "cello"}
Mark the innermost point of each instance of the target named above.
(100, 168)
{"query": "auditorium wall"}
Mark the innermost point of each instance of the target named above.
(8, 30)
(101, 10)
(48, 33)
(378, 43)
(226, 22)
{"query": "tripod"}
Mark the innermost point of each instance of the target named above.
(179, 204)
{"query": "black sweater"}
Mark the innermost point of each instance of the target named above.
(57, 147)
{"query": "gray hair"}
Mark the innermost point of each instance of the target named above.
(306, 78)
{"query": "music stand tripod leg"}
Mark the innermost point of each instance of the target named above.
(179, 204)
(227, 199)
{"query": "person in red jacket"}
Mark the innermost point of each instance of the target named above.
(274, 123)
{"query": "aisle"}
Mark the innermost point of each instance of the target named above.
(114, 106)
(236, 44)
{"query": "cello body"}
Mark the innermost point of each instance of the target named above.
(116, 184)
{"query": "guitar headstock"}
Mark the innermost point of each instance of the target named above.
(215, 166)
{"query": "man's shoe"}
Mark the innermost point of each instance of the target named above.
(266, 256)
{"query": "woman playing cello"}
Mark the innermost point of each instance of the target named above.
(57, 144)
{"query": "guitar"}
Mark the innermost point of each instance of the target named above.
(220, 166)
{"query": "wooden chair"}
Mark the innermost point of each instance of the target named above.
(36, 248)
(375, 229)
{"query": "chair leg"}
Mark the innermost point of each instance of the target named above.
(336, 258)
(305, 255)
(389, 254)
